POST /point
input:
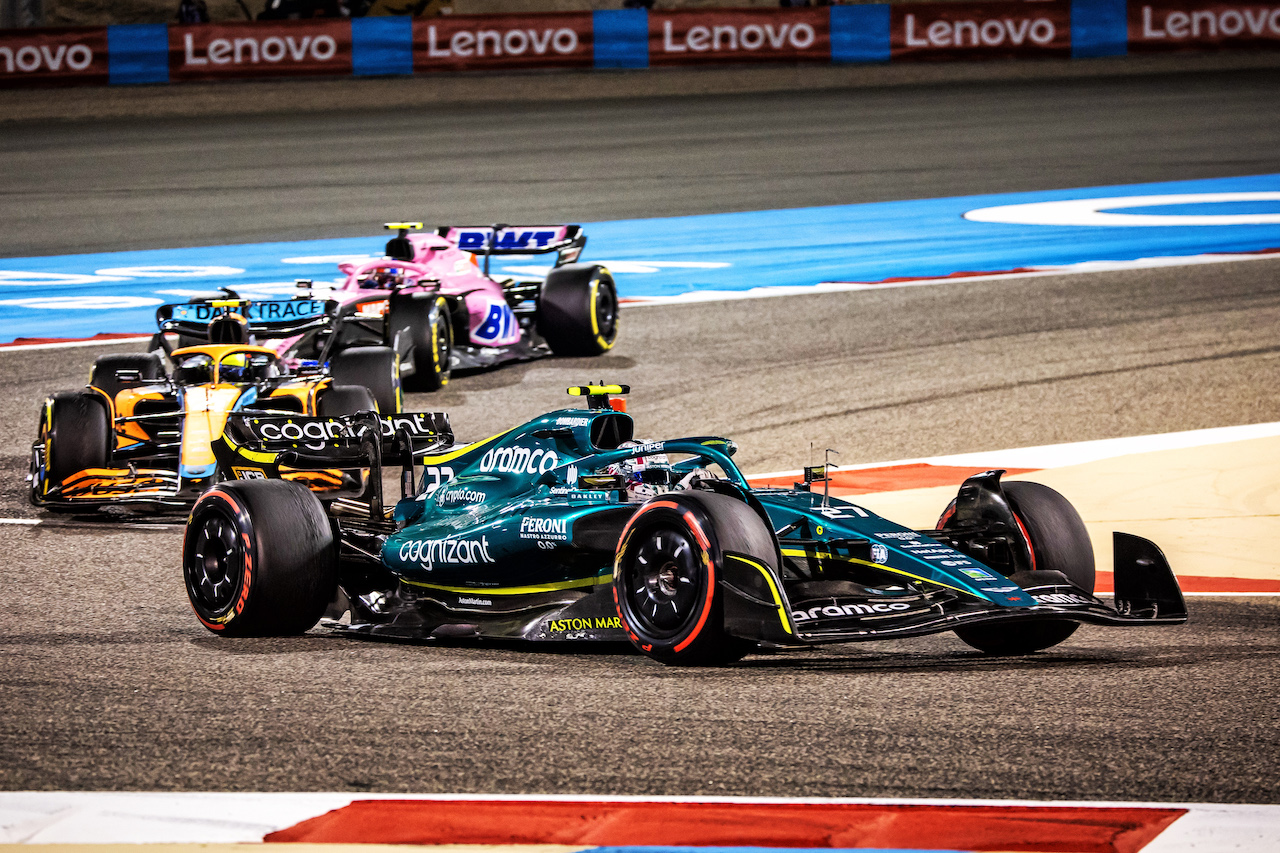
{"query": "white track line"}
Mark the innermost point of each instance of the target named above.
(1083, 268)
(1072, 453)
(143, 817)
(87, 342)
(1086, 267)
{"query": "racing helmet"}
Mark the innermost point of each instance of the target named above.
(234, 368)
(384, 278)
(195, 369)
(643, 477)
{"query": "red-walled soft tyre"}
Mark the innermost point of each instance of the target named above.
(667, 571)
(259, 559)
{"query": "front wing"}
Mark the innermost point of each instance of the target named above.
(757, 605)
(98, 487)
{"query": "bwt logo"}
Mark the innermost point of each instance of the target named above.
(29, 58)
(508, 240)
(728, 37)
(503, 42)
(250, 50)
(988, 33)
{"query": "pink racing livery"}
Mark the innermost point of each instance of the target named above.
(428, 307)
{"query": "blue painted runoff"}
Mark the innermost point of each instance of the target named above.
(81, 295)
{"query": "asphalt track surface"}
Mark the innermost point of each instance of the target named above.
(109, 682)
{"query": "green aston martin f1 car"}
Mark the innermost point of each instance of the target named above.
(567, 528)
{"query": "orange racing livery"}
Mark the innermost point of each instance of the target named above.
(142, 433)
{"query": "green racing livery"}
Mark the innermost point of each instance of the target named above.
(567, 528)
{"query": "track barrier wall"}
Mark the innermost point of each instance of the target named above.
(632, 38)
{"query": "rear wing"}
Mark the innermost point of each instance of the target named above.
(256, 447)
(299, 440)
(566, 240)
(276, 318)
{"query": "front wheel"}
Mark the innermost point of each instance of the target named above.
(667, 571)
(1059, 542)
(376, 368)
(578, 310)
(259, 559)
(74, 435)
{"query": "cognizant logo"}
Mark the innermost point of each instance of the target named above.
(428, 552)
(313, 434)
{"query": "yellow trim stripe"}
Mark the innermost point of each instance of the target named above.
(454, 454)
(827, 556)
(773, 588)
(513, 590)
(251, 455)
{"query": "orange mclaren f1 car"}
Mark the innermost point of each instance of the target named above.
(139, 434)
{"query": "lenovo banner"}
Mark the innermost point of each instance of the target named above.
(493, 42)
(739, 35)
(980, 30)
(260, 49)
(1188, 25)
(61, 57)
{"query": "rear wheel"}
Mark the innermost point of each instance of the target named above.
(578, 310)
(259, 559)
(74, 435)
(338, 400)
(376, 368)
(1059, 542)
(666, 576)
(107, 370)
(429, 327)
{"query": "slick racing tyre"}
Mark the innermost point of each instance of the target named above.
(74, 435)
(107, 368)
(1060, 543)
(428, 325)
(578, 310)
(376, 368)
(667, 571)
(338, 400)
(259, 559)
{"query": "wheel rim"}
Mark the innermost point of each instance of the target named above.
(443, 345)
(36, 471)
(40, 458)
(664, 582)
(215, 564)
(606, 309)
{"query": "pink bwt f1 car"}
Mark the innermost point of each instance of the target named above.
(425, 309)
